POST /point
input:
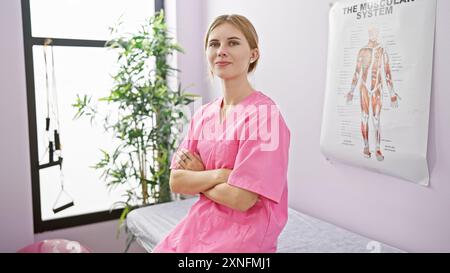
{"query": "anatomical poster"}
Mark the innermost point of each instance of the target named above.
(379, 72)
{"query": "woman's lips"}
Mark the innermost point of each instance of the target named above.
(222, 64)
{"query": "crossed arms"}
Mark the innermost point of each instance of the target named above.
(190, 177)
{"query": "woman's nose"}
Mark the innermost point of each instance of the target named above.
(222, 52)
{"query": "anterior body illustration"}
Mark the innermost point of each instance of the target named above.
(371, 66)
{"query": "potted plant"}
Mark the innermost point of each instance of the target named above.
(145, 117)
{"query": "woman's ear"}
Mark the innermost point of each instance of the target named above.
(255, 55)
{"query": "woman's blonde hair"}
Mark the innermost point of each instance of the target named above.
(242, 24)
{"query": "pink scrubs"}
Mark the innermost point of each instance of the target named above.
(255, 145)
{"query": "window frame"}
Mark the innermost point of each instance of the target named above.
(29, 41)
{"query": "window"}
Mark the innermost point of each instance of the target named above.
(77, 63)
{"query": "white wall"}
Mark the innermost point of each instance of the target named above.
(292, 70)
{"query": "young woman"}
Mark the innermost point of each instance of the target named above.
(235, 156)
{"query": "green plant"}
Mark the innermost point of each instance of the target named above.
(146, 113)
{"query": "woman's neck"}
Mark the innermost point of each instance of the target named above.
(235, 90)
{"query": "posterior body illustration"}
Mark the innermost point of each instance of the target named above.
(372, 70)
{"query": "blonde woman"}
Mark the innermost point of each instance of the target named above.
(234, 156)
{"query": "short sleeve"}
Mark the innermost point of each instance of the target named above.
(261, 165)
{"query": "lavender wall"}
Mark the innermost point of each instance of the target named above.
(16, 217)
(292, 71)
(190, 22)
(16, 224)
(293, 39)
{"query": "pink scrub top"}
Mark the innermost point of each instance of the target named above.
(254, 143)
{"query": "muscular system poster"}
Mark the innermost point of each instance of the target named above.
(378, 89)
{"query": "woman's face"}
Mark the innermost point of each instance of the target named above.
(228, 52)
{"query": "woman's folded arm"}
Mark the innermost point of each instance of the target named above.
(232, 197)
(193, 182)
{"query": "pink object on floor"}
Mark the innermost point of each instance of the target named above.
(55, 246)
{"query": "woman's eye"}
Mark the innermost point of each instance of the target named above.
(232, 43)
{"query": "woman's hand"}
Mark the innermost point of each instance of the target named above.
(188, 161)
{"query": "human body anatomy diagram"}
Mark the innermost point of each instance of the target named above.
(372, 70)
